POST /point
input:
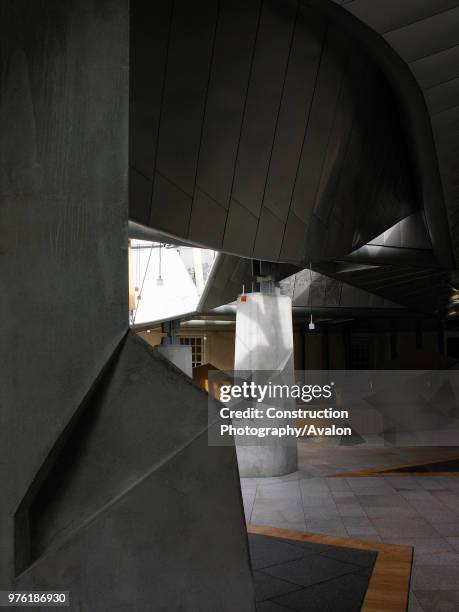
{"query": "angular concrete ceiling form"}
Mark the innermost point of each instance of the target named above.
(262, 129)
(409, 233)
(314, 290)
(425, 35)
(405, 243)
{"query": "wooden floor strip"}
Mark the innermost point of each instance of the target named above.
(395, 474)
(390, 470)
(389, 584)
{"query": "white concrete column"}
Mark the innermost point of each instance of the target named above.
(264, 341)
(178, 354)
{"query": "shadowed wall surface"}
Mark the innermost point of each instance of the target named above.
(63, 260)
(123, 507)
(127, 513)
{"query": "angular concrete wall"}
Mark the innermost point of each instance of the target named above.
(139, 524)
(133, 509)
(63, 213)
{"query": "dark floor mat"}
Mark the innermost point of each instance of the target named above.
(297, 575)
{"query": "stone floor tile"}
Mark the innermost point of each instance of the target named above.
(438, 601)
(434, 577)
(422, 545)
(454, 542)
(344, 497)
(393, 500)
(350, 510)
(359, 526)
(437, 558)
(390, 511)
(332, 526)
(404, 527)
(413, 603)
(447, 529)
(338, 484)
(248, 498)
(430, 484)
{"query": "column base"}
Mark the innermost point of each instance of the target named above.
(264, 461)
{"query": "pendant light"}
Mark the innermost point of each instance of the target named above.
(160, 280)
(311, 325)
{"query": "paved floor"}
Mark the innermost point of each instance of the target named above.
(306, 576)
(420, 512)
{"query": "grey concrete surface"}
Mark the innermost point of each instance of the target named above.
(144, 510)
(264, 343)
(139, 512)
(179, 355)
(151, 548)
(63, 213)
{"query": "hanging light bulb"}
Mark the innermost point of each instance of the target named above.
(160, 280)
(311, 325)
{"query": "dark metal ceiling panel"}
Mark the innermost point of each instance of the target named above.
(384, 255)
(388, 15)
(300, 79)
(188, 63)
(269, 236)
(443, 96)
(312, 290)
(139, 196)
(446, 126)
(327, 188)
(409, 233)
(149, 43)
(299, 135)
(264, 94)
(294, 243)
(228, 83)
(240, 231)
(437, 68)
(334, 59)
(204, 207)
(421, 289)
(426, 36)
(171, 207)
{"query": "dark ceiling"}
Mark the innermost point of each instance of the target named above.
(293, 131)
(425, 35)
(262, 129)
